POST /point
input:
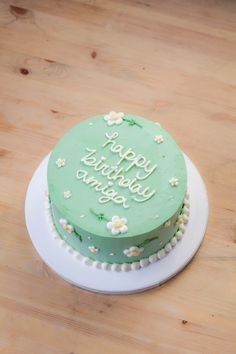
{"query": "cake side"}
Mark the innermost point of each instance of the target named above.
(126, 266)
(116, 189)
(114, 249)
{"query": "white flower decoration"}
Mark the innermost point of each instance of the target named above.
(114, 118)
(174, 182)
(67, 227)
(60, 162)
(133, 251)
(167, 223)
(117, 225)
(67, 194)
(182, 219)
(158, 139)
(93, 249)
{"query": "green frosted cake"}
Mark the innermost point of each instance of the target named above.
(116, 189)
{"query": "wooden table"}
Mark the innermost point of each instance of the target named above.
(171, 61)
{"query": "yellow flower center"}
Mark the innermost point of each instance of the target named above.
(133, 253)
(117, 224)
(181, 221)
(114, 116)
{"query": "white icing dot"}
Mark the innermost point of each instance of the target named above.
(70, 250)
(125, 267)
(144, 262)
(78, 256)
(161, 254)
(63, 244)
(111, 254)
(135, 266)
(186, 202)
(108, 266)
(89, 238)
(90, 123)
(104, 265)
(51, 228)
(116, 267)
(179, 235)
(110, 183)
(96, 264)
(89, 262)
(82, 216)
(186, 210)
(173, 241)
(153, 258)
(103, 158)
(168, 247)
(156, 216)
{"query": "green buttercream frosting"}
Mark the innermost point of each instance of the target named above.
(114, 186)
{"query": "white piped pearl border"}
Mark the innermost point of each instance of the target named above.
(125, 267)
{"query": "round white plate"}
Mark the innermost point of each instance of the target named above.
(111, 282)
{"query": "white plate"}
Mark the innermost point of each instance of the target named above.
(111, 282)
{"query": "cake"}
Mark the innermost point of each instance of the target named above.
(117, 188)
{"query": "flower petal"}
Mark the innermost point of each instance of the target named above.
(115, 231)
(123, 229)
(114, 218)
(121, 114)
(109, 225)
(70, 228)
(118, 121)
(110, 122)
(123, 220)
(62, 221)
(133, 248)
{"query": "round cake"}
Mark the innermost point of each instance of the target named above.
(116, 189)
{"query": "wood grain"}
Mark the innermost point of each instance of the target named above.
(171, 61)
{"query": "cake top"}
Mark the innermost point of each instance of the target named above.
(117, 175)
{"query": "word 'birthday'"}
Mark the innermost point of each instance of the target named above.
(117, 173)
